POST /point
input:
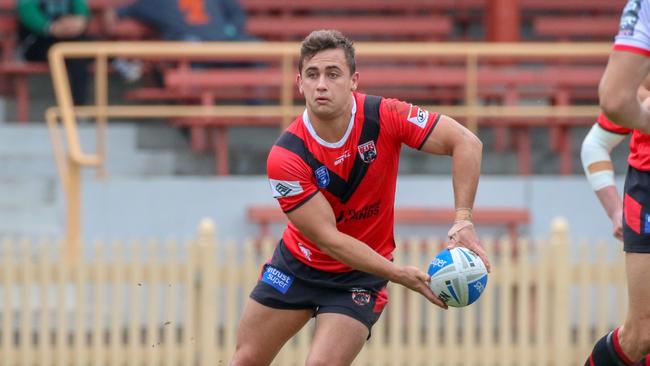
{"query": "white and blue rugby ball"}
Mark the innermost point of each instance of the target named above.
(458, 276)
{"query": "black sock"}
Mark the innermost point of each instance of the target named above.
(608, 352)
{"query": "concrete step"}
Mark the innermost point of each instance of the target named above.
(31, 221)
(36, 165)
(21, 192)
(33, 138)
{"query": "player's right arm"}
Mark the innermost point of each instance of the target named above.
(599, 170)
(294, 186)
(315, 219)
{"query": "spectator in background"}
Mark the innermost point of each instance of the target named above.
(42, 23)
(180, 20)
(186, 20)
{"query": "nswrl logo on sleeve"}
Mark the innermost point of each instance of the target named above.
(285, 188)
(277, 279)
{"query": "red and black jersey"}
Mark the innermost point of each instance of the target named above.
(639, 144)
(357, 175)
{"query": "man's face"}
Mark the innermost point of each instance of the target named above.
(326, 83)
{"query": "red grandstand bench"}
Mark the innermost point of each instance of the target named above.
(510, 218)
(573, 6)
(211, 85)
(374, 27)
(567, 28)
(366, 6)
(15, 72)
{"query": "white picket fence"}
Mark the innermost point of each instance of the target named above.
(153, 303)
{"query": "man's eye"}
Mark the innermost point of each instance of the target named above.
(333, 75)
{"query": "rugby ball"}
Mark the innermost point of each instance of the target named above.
(458, 276)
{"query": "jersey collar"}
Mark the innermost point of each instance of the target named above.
(337, 144)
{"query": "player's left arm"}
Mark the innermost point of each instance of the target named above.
(451, 138)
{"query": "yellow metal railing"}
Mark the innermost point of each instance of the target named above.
(71, 162)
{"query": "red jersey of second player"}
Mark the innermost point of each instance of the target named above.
(639, 144)
(366, 214)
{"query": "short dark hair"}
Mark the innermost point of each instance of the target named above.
(326, 39)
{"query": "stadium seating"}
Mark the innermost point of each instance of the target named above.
(575, 28)
(13, 71)
(427, 82)
(571, 6)
(555, 84)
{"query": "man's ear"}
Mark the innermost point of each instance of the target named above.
(299, 83)
(355, 81)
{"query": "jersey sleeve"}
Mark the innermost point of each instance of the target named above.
(634, 29)
(407, 123)
(610, 126)
(291, 179)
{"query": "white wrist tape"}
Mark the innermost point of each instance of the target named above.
(596, 147)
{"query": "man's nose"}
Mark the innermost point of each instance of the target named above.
(321, 83)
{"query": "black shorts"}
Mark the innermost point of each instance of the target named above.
(287, 283)
(636, 211)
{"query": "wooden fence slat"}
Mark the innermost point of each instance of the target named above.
(432, 344)
(487, 304)
(44, 280)
(602, 290)
(152, 282)
(620, 278)
(62, 276)
(543, 304)
(25, 275)
(170, 285)
(79, 276)
(505, 303)
(116, 276)
(232, 283)
(135, 282)
(397, 311)
(583, 303)
(7, 349)
(200, 295)
(561, 272)
(525, 313)
(98, 279)
(208, 284)
(188, 341)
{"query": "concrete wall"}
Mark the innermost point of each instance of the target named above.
(172, 207)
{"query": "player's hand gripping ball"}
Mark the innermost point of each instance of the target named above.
(458, 276)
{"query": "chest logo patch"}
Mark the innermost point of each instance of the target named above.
(322, 176)
(368, 152)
